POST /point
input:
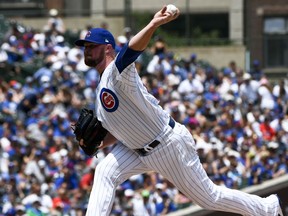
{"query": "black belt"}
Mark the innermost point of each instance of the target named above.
(144, 151)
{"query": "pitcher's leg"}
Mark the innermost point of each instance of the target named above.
(177, 160)
(115, 168)
(210, 196)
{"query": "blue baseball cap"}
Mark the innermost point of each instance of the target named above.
(98, 36)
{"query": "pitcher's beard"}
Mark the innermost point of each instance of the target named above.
(91, 62)
(94, 62)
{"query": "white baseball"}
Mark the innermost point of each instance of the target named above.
(171, 8)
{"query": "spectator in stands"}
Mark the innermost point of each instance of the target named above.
(62, 200)
(211, 78)
(280, 93)
(248, 90)
(121, 41)
(9, 107)
(159, 64)
(267, 131)
(235, 69)
(29, 86)
(190, 88)
(280, 90)
(256, 71)
(149, 205)
(266, 97)
(55, 22)
(44, 74)
(193, 64)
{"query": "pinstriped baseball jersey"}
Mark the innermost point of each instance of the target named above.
(126, 109)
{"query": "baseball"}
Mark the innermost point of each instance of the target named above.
(171, 8)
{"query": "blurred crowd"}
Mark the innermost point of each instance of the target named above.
(238, 119)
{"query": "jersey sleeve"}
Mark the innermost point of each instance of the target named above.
(125, 57)
(126, 77)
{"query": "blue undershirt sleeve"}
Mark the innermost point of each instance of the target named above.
(125, 57)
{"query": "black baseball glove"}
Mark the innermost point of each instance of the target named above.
(88, 128)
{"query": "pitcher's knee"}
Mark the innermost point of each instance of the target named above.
(104, 172)
(211, 199)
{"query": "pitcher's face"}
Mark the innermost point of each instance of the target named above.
(94, 54)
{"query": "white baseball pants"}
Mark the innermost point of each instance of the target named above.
(176, 159)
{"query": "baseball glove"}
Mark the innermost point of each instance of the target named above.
(88, 128)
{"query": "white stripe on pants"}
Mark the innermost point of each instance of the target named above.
(176, 159)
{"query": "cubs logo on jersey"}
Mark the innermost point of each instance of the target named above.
(109, 100)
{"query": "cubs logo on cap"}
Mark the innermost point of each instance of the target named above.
(88, 34)
(97, 36)
(109, 100)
